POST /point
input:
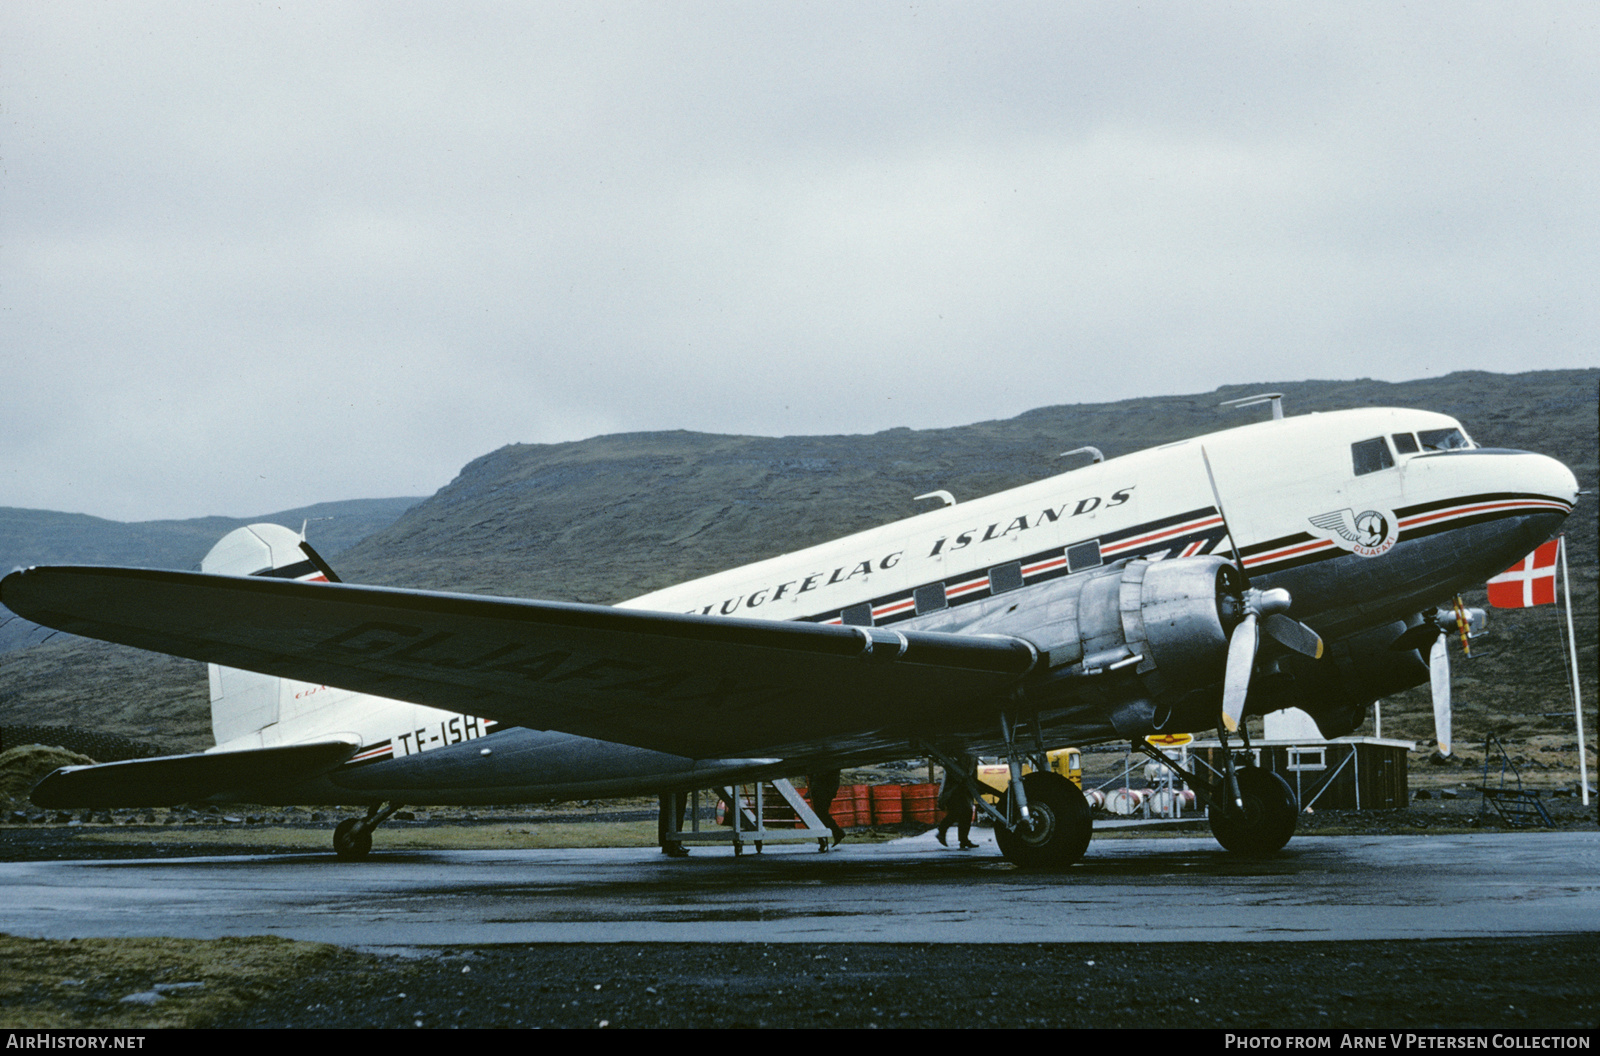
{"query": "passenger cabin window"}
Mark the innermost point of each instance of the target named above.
(930, 598)
(857, 615)
(1444, 440)
(1405, 444)
(1084, 555)
(1370, 456)
(1005, 577)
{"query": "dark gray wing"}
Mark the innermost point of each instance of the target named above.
(696, 686)
(170, 779)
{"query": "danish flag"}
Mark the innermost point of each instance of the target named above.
(1531, 581)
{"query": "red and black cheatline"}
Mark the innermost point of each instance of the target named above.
(1416, 522)
(1180, 535)
(380, 751)
(1188, 534)
(372, 753)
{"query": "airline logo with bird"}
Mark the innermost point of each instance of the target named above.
(1368, 533)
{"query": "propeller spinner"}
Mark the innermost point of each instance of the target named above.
(1264, 611)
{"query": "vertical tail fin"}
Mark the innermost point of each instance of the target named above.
(244, 703)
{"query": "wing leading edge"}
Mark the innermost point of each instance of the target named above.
(697, 686)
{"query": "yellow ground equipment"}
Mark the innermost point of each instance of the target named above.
(1068, 762)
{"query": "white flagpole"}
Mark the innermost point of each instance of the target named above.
(1577, 696)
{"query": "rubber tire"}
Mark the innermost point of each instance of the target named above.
(1063, 825)
(1270, 814)
(348, 842)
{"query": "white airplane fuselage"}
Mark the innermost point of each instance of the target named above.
(1366, 517)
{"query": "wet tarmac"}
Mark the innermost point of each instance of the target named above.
(907, 891)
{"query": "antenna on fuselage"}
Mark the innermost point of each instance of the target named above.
(314, 557)
(1275, 398)
(306, 523)
(1094, 453)
(942, 495)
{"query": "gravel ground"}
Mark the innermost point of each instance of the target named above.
(1540, 982)
(1545, 982)
(81, 840)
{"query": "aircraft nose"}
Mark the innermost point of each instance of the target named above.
(1544, 475)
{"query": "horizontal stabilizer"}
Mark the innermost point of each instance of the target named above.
(170, 779)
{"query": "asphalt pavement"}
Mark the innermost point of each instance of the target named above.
(905, 891)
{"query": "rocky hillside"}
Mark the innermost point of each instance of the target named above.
(44, 537)
(616, 516)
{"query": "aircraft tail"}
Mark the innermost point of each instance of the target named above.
(244, 703)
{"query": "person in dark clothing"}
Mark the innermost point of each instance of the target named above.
(670, 820)
(957, 803)
(822, 787)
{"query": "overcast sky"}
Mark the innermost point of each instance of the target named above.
(255, 256)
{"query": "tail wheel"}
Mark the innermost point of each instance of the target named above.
(350, 841)
(1269, 816)
(1061, 824)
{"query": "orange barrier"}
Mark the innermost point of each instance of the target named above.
(859, 797)
(887, 808)
(843, 812)
(856, 806)
(921, 803)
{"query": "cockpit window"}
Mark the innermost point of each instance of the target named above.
(1370, 456)
(1405, 443)
(1444, 440)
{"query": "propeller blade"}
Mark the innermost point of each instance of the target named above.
(1293, 634)
(1242, 645)
(1439, 675)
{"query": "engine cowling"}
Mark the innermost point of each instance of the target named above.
(1162, 628)
(1162, 625)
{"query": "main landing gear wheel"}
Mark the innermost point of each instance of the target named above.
(1269, 817)
(1061, 824)
(350, 841)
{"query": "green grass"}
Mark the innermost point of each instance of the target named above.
(486, 837)
(81, 983)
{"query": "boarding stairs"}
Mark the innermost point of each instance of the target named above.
(767, 812)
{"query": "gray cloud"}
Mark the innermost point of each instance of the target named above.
(257, 257)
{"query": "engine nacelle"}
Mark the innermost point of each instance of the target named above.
(1164, 623)
(1145, 644)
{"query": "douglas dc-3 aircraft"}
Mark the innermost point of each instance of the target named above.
(1142, 594)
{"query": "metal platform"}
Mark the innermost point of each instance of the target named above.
(766, 812)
